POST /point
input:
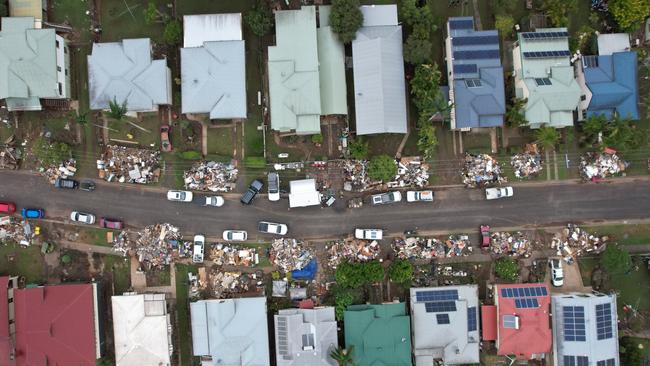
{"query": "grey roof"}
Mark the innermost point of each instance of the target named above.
(198, 29)
(453, 343)
(331, 56)
(592, 347)
(378, 15)
(305, 337)
(126, 71)
(233, 332)
(379, 90)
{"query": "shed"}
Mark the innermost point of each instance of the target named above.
(304, 193)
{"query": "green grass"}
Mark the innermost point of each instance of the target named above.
(220, 141)
(183, 313)
(73, 12)
(119, 266)
(120, 21)
(623, 234)
(144, 139)
(265, 261)
(28, 262)
(94, 235)
(646, 345)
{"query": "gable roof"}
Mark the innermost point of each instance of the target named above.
(233, 331)
(198, 29)
(331, 57)
(126, 71)
(380, 334)
(612, 80)
(305, 337)
(378, 15)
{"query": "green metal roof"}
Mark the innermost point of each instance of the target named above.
(381, 334)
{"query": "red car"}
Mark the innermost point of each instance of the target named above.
(7, 207)
(165, 144)
(109, 223)
(485, 236)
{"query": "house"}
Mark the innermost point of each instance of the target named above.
(56, 325)
(544, 77)
(380, 334)
(585, 330)
(34, 65)
(378, 66)
(305, 337)
(519, 320)
(142, 329)
(609, 80)
(444, 322)
(230, 332)
(303, 193)
(331, 57)
(213, 66)
(125, 72)
(475, 74)
(28, 8)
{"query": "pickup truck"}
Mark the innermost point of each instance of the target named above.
(388, 197)
(419, 196)
(253, 190)
(199, 246)
(66, 183)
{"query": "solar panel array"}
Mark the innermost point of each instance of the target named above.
(574, 323)
(543, 81)
(526, 303)
(461, 24)
(546, 54)
(604, 321)
(443, 318)
(608, 362)
(476, 55)
(472, 323)
(524, 291)
(544, 35)
(474, 40)
(473, 83)
(437, 295)
(440, 306)
(465, 69)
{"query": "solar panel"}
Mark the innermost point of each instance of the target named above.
(442, 318)
(475, 55)
(440, 306)
(474, 40)
(544, 35)
(437, 295)
(473, 83)
(461, 24)
(546, 54)
(524, 291)
(574, 323)
(465, 69)
(526, 303)
(604, 321)
(472, 324)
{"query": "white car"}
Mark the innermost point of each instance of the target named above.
(388, 197)
(274, 186)
(215, 201)
(557, 273)
(235, 235)
(199, 246)
(419, 196)
(496, 193)
(179, 196)
(369, 234)
(82, 217)
(272, 228)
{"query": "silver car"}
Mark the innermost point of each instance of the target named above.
(82, 217)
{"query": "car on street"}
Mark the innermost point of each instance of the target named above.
(66, 183)
(419, 196)
(369, 234)
(235, 235)
(251, 192)
(274, 186)
(32, 213)
(199, 246)
(272, 228)
(499, 192)
(82, 217)
(87, 185)
(179, 196)
(109, 223)
(557, 273)
(485, 236)
(7, 207)
(388, 197)
(165, 144)
(215, 201)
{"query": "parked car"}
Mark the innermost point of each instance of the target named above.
(496, 193)
(557, 273)
(419, 196)
(108, 223)
(235, 235)
(274, 187)
(272, 228)
(82, 217)
(7, 207)
(165, 144)
(179, 196)
(199, 246)
(66, 183)
(388, 197)
(87, 185)
(33, 213)
(369, 234)
(215, 201)
(485, 236)
(253, 190)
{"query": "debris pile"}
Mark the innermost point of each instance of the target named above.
(127, 164)
(428, 248)
(232, 255)
(595, 166)
(356, 175)
(528, 164)
(211, 176)
(19, 231)
(411, 172)
(481, 171)
(227, 284)
(354, 250)
(121, 243)
(513, 244)
(289, 254)
(156, 245)
(66, 169)
(573, 241)
(10, 156)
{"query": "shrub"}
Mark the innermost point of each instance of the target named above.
(382, 168)
(507, 269)
(400, 271)
(190, 155)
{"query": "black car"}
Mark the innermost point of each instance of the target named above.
(66, 183)
(252, 191)
(87, 185)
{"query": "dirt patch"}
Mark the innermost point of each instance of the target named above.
(158, 277)
(75, 266)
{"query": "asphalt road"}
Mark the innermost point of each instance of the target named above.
(453, 209)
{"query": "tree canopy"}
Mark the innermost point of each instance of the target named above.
(629, 13)
(425, 89)
(419, 21)
(427, 140)
(117, 110)
(505, 25)
(259, 19)
(417, 50)
(514, 115)
(616, 133)
(401, 271)
(558, 11)
(507, 269)
(345, 19)
(153, 15)
(356, 275)
(342, 356)
(547, 136)
(359, 148)
(173, 32)
(382, 168)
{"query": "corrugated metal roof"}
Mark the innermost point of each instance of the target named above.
(198, 29)
(489, 322)
(379, 15)
(296, 330)
(303, 193)
(331, 54)
(614, 87)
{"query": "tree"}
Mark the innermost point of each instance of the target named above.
(359, 148)
(547, 136)
(615, 260)
(50, 153)
(631, 353)
(259, 19)
(355, 275)
(173, 32)
(629, 13)
(593, 126)
(408, 11)
(514, 116)
(558, 11)
(153, 15)
(427, 140)
(342, 356)
(3, 9)
(427, 96)
(417, 50)
(345, 19)
(116, 110)
(505, 25)
(382, 168)
(400, 271)
(82, 118)
(317, 139)
(507, 269)
(343, 299)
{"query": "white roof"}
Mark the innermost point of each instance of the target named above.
(140, 327)
(305, 337)
(377, 15)
(303, 193)
(612, 43)
(198, 29)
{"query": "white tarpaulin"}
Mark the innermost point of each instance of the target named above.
(304, 193)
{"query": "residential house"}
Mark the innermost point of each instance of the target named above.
(585, 330)
(8, 286)
(142, 329)
(444, 321)
(230, 332)
(378, 65)
(380, 334)
(519, 320)
(213, 66)
(475, 74)
(305, 337)
(28, 8)
(125, 72)
(609, 80)
(545, 78)
(34, 65)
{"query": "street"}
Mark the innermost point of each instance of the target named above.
(453, 209)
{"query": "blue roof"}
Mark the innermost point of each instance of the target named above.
(476, 56)
(612, 80)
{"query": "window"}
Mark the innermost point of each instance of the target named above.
(308, 340)
(60, 89)
(569, 361)
(583, 97)
(57, 44)
(11, 299)
(582, 361)
(473, 83)
(442, 318)
(66, 72)
(510, 321)
(608, 362)
(58, 68)
(543, 81)
(65, 49)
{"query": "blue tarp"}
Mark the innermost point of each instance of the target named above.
(308, 273)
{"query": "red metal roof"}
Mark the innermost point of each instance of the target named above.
(55, 326)
(4, 322)
(534, 333)
(489, 322)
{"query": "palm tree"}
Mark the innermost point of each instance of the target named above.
(547, 137)
(342, 356)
